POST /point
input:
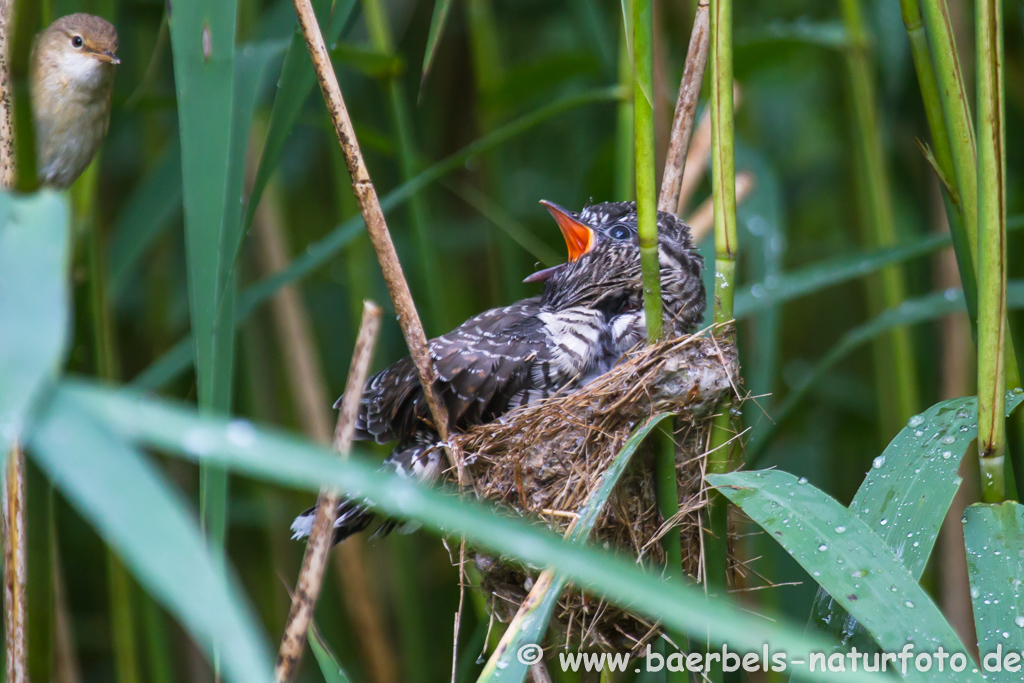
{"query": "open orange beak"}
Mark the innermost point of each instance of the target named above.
(579, 238)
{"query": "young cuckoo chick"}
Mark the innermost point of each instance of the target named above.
(72, 78)
(591, 312)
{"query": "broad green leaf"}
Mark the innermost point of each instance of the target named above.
(149, 210)
(203, 42)
(34, 251)
(437, 23)
(320, 253)
(503, 664)
(151, 528)
(325, 659)
(246, 449)
(906, 494)
(849, 560)
(203, 46)
(994, 536)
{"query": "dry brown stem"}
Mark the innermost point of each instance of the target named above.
(15, 568)
(686, 108)
(369, 206)
(321, 536)
(7, 160)
(306, 382)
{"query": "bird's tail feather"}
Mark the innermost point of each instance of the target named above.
(352, 518)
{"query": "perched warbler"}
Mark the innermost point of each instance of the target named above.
(72, 78)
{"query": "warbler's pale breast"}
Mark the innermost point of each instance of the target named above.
(72, 79)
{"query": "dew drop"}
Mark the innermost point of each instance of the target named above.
(878, 462)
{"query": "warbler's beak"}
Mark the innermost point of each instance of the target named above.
(543, 275)
(579, 238)
(106, 56)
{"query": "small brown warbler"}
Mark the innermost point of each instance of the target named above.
(72, 79)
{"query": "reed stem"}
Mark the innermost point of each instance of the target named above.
(686, 108)
(7, 156)
(321, 535)
(942, 151)
(369, 206)
(625, 168)
(15, 568)
(724, 446)
(991, 252)
(15, 554)
(896, 365)
(956, 113)
(643, 144)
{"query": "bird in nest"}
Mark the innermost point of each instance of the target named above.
(589, 314)
(72, 79)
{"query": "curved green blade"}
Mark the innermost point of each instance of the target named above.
(264, 453)
(325, 659)
(994, 536)
(34, 252)
(849, 560)
(437, 23)
(910, 487)
(146, 521)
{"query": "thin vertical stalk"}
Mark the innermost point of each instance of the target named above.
(686, 108)
(723, 188)
(991, 252)
(15, 558)
(643, 145)
(956, 112)
(7, 158)
(321, 536)
(960, 129)
(624, 165)
(369, 206)
(15, 568)
(305, 375)
(667, 494)
(929, 86)
(723, 168)
(896, 369)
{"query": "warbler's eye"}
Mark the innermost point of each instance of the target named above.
(76, 42)
(619, 232)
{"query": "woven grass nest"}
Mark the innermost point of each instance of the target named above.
(543, 460)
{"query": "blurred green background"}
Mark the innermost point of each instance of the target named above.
(466, 241)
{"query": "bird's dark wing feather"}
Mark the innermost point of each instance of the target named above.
(479, 365)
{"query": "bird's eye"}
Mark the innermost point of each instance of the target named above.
(619, 232)
(76, 42)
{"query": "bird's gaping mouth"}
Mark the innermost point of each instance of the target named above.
(579, 239)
